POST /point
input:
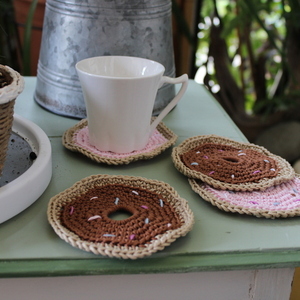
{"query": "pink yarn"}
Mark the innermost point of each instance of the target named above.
(81, 138)
(285, 196)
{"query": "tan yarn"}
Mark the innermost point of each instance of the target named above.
(68, 142)
(6, 120)
(240, 175)
(11, 84)
(79, 215)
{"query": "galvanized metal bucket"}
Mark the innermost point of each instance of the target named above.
(77, 29)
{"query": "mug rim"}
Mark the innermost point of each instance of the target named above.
(125, 57)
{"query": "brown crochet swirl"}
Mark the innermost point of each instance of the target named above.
(88, 215)
(230, 164)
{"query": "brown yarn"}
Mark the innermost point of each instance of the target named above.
(151, 215)
(251, 174)
(5, 78)
(230, 164)
(134, 237)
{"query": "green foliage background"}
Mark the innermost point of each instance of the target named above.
(254, 31)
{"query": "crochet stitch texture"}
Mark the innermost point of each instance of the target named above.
(279, 201)
(76, 139)
(88, 215)
(80, 215)
(230, 164)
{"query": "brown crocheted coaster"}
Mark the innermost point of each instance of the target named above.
(76, 139)
(156, 215)
(227, 164)
(280, 201)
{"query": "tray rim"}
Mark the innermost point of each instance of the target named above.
(40, 172)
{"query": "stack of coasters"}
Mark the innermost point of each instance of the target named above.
(239, 177)
(81, 215)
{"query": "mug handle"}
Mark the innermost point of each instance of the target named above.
(183, 79)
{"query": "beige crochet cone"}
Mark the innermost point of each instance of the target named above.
(11, 85)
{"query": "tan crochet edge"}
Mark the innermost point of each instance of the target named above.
(286, 171)
(6, 121)
(68, 142)
(8, 95)
(10, 92)
(197, 186)
(159, 243)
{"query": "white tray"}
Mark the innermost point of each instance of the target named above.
(21, 192)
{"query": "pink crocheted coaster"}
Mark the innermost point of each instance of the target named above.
(76, 139)
(81, 138)
(279, 201)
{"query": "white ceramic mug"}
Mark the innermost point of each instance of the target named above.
(119, 94)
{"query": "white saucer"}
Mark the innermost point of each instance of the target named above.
(20, 193)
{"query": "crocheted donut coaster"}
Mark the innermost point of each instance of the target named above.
(226, 164)
(280, 201)
(77, 139)
(156, 215)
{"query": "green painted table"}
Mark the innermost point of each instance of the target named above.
(223, 250)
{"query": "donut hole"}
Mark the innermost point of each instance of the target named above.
(231, 159)
(120, 214)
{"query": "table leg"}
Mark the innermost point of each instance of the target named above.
(265, 284)
(275, 284)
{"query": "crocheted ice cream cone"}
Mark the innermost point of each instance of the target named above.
(11, 85)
